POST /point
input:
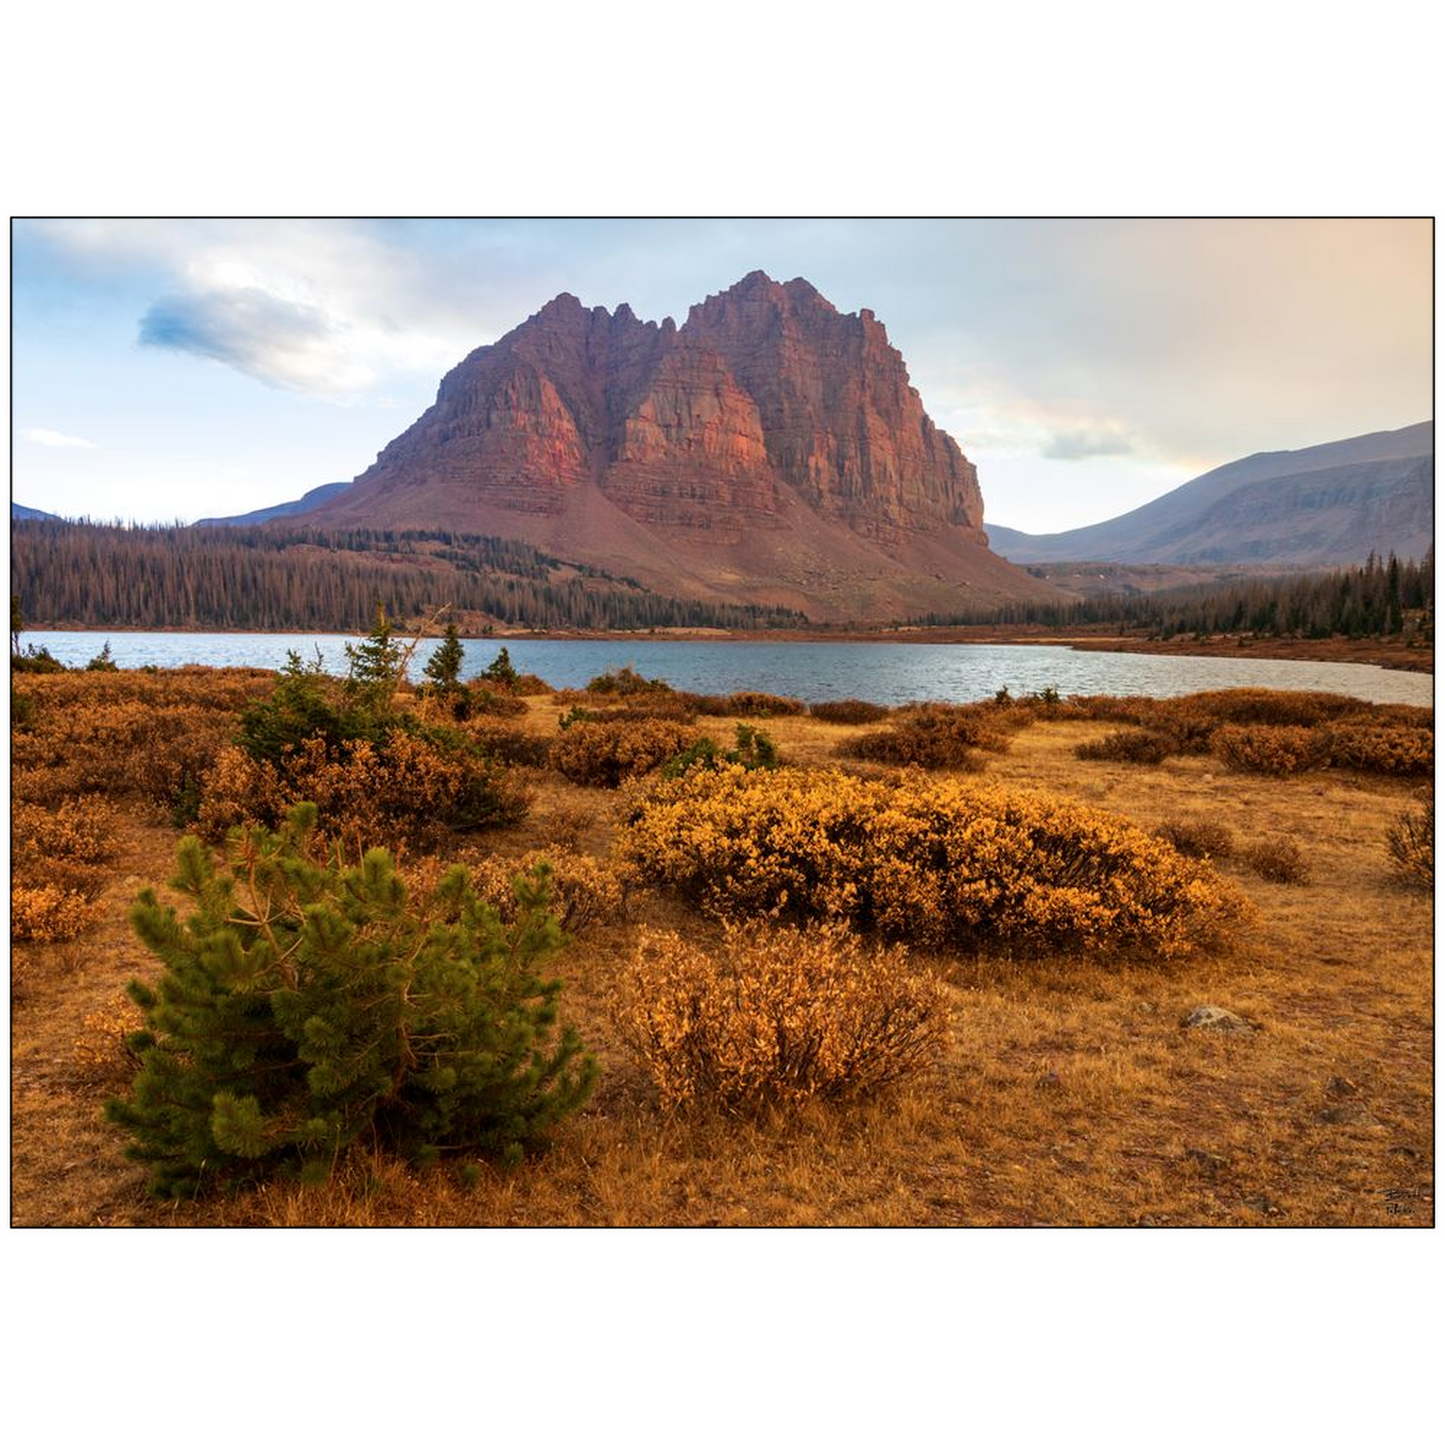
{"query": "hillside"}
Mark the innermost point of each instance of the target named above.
(1320, 506)
(72, 574)
(307, 503)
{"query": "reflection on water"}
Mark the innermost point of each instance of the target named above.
(883, 672)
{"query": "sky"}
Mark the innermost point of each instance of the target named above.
(175, 369)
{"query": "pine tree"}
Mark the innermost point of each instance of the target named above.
(375, 666)
(305, 1004)
(500, 671)
(444, 666)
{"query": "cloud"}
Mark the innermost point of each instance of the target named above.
(1072, 446)
(333, 309)
(274, 339)
(48, 438)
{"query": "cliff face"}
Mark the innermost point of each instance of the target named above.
(771, 447)
(843, 426)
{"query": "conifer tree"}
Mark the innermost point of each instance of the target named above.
(375, 666)
(444, 666)
(500, 670)
(304, 1004)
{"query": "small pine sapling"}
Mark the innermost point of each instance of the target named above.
(500, 672)
(443, 672)
(304, 1005)
(376, 666)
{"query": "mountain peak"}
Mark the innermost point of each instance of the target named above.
(755, 283)
(563, 304)
(770, 442)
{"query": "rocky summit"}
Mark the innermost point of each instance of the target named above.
(771, 449)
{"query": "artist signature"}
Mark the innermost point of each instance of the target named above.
(1403, 1201)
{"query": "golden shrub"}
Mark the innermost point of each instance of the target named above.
(484, 701)
(1269, 707)
(1399, 714)
(602, 754)
(930, 737)
(411, 791)
(1267, 748)
(778, 1015)
(849, 711)
(669, 706)
(585, 890)
(1403, 750)
(47, 913)
(57, 873)
(930, 860)
(1103, 707)
(509, 744)
(102, 1052)
(1277, 860)
(79, 828)
(747, 704)
(1133, 746)
(1410, 841)
(1196, 838)
(149, 748)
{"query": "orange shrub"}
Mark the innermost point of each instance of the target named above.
(625, 681)
(1268, 706)
(57, 873)
(1103, 707)
(149, 736)
(81, 828)
(45, 913)
(1277, 860)
(848, 711)
(1267, 749)
(747, 704)
(1134, 746)
(410, 791)
(778, 1016)
(669, 706)
(1401, 750)
(931, 737)
(483, 701)
(102, 1052)
(1398, 714)
(1410, 841)
(1197, 839)
(509, 745)
(602, 754)
(930, 860)
(585, 891)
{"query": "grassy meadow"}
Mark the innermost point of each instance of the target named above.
(935, 871)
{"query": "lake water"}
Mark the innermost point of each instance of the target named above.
(883, 672)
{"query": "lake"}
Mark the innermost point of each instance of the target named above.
(882, 672)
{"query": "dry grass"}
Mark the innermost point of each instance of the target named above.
(1069, 1094)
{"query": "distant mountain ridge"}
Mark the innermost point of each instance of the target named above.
(1319, 506)
(770, 450)
(303, 504)
(30, 514)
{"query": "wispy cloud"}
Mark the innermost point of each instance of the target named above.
(276, 340)
(333, 309)
(47, 438)
(1073, 446)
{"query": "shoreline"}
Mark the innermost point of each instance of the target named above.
(1365, 651)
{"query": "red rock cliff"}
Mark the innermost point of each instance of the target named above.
(770, 446)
